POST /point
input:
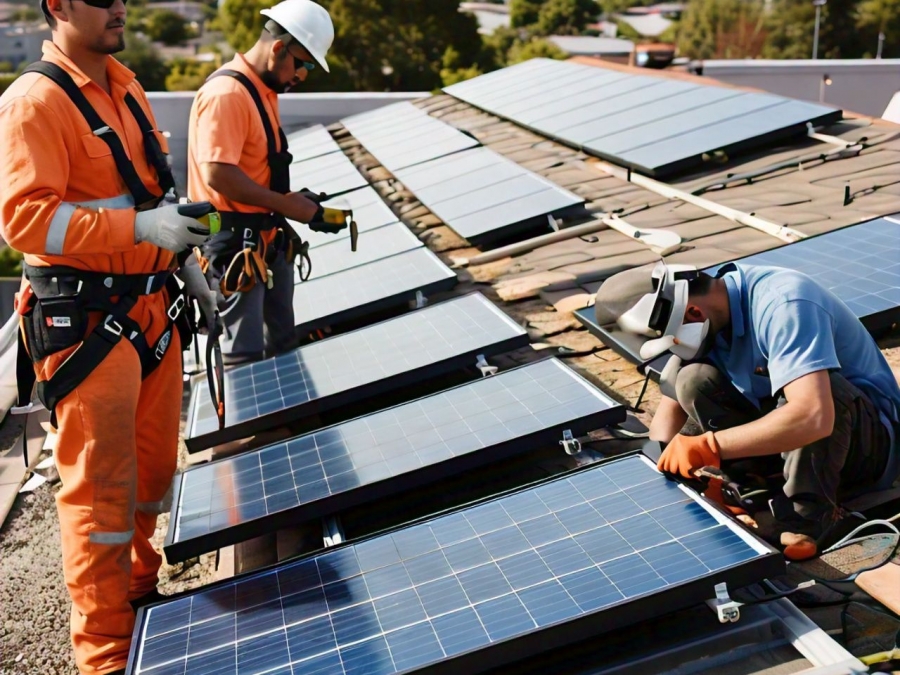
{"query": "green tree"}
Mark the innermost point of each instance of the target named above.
(790, 25)
(880, 16)
(533, 49)
(26, 14)
(565, 17)
(6, 67)
(140, 56)
(727, 29)
(453, 70)
(241, 21)
(10, 262)
(168, 27)
(6, 79)
(524, 13)
(188, 74)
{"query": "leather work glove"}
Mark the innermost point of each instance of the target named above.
(167, 227)
(329, 220)
(196, 286)
(686, 454)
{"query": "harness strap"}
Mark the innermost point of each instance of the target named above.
(135, 185)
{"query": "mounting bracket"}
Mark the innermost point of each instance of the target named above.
(419, 302)
(333, 531)
(486, 369)
(570, 444)
(725, 608)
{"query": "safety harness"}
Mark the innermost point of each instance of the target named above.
(237, 258)
(54, 307)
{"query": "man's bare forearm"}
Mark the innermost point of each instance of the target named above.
(229, 180)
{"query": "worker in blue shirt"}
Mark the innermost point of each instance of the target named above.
(776, 366)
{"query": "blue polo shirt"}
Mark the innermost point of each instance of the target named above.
(784, 325)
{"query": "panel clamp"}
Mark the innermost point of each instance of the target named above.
(332, 531)
(486, 369)
(419, 301)
(726, 609)
(570, 444)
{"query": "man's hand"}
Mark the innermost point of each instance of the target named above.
(297, 206)
(329, 220)
(196, 286)
(167, 228)
(317, 197)
(685, 454)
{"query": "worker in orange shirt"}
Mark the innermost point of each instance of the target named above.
(238, 160)
(83, 171)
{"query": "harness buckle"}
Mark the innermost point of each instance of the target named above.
(175, 308)
(112, 326)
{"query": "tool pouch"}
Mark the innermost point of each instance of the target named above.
(54, 324)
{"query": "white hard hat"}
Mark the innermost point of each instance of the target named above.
(306, 22)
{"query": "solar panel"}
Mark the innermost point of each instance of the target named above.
(651, 124)
(483, 196)
(311, 143)
(369, 212)
(860, 264)
(402, 135)
(412, 445)
(332, 174)
(478, 588)
(373, 245)
(366, 289)
(352, 366)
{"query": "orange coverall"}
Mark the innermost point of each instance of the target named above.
(64, 203)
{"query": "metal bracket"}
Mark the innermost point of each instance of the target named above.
(486, 369)
(332, 531)
(34, 406)
(419, 302)
(553, 223)
(725, 608)
(570, 444)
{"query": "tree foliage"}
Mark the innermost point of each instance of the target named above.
(188, 74)
(241, 21)
(168, 27)
(533, 49)
(725, 29)
(565, 17)
(10, 262)
(880, 16)
(524, 13)
(140, 56)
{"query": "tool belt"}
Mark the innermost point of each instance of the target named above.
(238, 257)
(54, 312)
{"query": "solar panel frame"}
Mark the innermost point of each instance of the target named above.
(367, 289)
(518, 95)
(466, 191)
(403, 135)
(483, 397)
(877, 317)
(364, 571)
(403, 328)
(312, 142)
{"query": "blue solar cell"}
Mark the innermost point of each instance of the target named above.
(457, 583)
(651, 124)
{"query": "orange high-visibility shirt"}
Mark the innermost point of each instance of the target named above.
(225, 127)
(62, 200)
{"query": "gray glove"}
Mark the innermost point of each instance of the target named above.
(167, 228)
(196, 286)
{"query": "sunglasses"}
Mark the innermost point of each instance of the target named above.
(298, 62)
(102, 4)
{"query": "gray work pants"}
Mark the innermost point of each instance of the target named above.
(819, 475)
(250, 316)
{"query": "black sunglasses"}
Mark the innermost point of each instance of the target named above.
(298, 62)
(102, 4)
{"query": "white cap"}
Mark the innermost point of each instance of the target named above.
(306, 22)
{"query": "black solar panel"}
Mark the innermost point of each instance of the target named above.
(332, 174)
(311, 143)
(412, 445)
(363, 290)
(468, 591)
(402, 135)
(860, 264)
(352, 366)
(484, 196)
(651, 124)
(369, 211)
(373, 245)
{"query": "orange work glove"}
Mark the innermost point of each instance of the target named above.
(685, 454)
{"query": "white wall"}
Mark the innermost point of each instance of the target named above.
(862, 86)
(172, 110)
